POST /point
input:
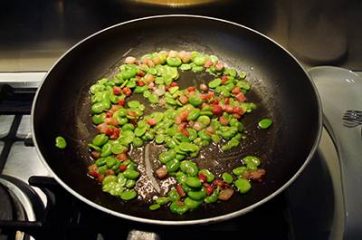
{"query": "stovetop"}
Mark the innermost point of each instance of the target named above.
(51, 211)
(34, 34)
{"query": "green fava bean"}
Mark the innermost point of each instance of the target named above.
(109, 178)
(230, 71)
(213, 197)
(121, 179)
(129, 73)
(128, 127)
(195, 100)
(197, 195)
(121, 120)
(131, 174)
(126, 138)
(186, 188)
(214, 83)
(159, 139)
(204, 136)
(214, 58)
(102, 169)
(113, 188)
(148, 136)
(188, 147)
(98, 118)
(239, 170)
(252, 162)
(197, 69)
(224, 91)
(100, 106)
(230, 86)
(193, 182)
(106, 150)
(118, 148)
(242, 75)
(170, 101)
(171, 131)
(178, 207)
(140, 131)
(122, 112)
(173, 90)
(173, 195)
(180, 157)
(192, 204)
(230, 144)
(238, 137)
(134, 104)
(185, 67)
(209, 175)
(60, 142)
(189, 167)
(173, 61)
(115, 167)
(167, 156)
(227, 177)
(200, 60)
(100, 162)
(243, 85)
(158, 116)
(242, 185)
(131, 83)
(140, 89)
(193, 115)
(110, 161)
(130, 183)
(96, 88)
(170, 142)
(227, 132)
(215, 138)
(265, 123)
(181, 138)
(128, 195)
(235, 123)
(192, 133)
(162, 200)
(181, 177)
(137, 142)
(154, 207)
(131, 165)
(248, 107)
(204, 120)
(173, 165)
(204, 143)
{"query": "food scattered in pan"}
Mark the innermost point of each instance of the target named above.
(182, 119)
(60, 142)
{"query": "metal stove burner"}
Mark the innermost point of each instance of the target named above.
(19, 203)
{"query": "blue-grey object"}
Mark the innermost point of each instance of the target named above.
(341, 90)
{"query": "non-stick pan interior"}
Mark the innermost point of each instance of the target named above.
(281, 89)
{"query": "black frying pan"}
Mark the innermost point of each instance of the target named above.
(281, 88)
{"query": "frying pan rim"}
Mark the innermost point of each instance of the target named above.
(179, 222)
